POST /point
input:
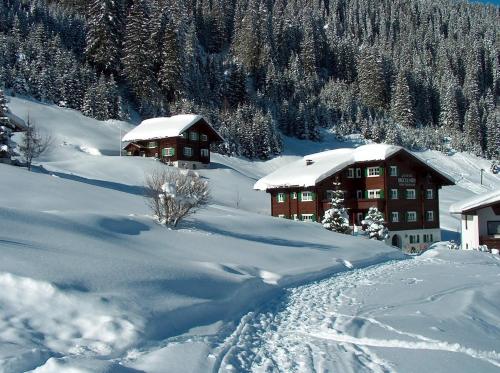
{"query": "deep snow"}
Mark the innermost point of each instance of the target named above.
(90, 283)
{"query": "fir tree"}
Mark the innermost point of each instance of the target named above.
(171, 69)
(402, 102)
(6, 146)
(336, 218)
(374, 225)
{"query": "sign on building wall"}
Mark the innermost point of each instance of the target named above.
(407, 180)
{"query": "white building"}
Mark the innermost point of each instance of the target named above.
(480, 220)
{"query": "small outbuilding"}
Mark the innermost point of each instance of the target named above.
(480, 220)
(180, 140)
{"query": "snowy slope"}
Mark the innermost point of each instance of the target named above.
(91, 283)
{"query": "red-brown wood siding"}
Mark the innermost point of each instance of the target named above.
(411, 175)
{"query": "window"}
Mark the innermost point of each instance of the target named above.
(129, 152)
(307, 196)
(429, 194)
(414, 238)
(281, 197)
(350, 173)
(281, 216)
(493, 228)
(204, 137)
(308, 217)
(151, 144)
(394, 194)
(193, 136)
(373, 171)
(168, 152)
(429, 215)
(359, 218)
(374, 193)
(411, 216)
(411, 194)
(395, 216)
(358, 173)
(428, 238)
(204, 152)
(394, 171)
(293, 195)
(359, 194)
(329, 195)
(188, 152)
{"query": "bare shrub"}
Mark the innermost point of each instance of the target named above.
(173, 194)
(34, 144)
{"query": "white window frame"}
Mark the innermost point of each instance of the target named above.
(429, 194)
(309, 196)
(428, 238)
(414, 193)
(204, 153)
(393, 171)
(395, 216)
(282, 216)
(152, 144)
(293, 196)
(350, 173)
(358, 173)
(187, 151)
(307, 217)
(415, 238)
(204, 137)
(193, 136)
(373, 193)
(359, 194)
(413, 214)
(359, 217)
(373, 172)
(429, 215)
(280, 197)
(394, 194)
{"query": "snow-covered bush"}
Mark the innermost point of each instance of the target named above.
(336, 218)
(34, 144)
(374, 225)
(452, 245)
(173, 194)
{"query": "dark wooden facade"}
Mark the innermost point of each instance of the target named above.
(411, 174)
(199, 147)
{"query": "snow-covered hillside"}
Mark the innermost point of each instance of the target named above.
(91, 283)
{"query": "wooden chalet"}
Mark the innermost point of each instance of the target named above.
(181, 140)
(401, 185)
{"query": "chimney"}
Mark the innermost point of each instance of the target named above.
(309, 162)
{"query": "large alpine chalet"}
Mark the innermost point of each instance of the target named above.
(401, 185)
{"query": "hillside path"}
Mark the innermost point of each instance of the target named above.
(377, 319)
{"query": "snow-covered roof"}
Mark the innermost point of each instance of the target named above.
(476, 202)
(313, 168)
(159, 128)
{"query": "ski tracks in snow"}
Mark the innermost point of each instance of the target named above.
(308, 330)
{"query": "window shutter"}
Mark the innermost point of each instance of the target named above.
(313, 194)
(381, 170)
(381, 193)
(300, 197)
(172, 152)
(164, 152)
(314, 217)
(366, 194)
(366, 172)
(284, 197)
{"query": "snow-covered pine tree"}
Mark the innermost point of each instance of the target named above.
(170, 75)
(473, 134)
(402, 102)
(493, 135)
(104, 35)
(374, 225)
(336, 218)
(371, 80)
(6, 146)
